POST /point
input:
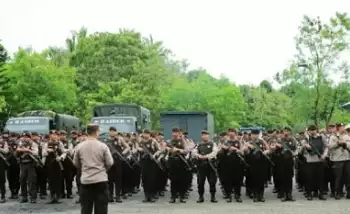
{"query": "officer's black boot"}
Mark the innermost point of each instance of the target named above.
(172, 199)
(212, 198)
(348, 195)
(238, 198)
(200, 199)
(2, 200)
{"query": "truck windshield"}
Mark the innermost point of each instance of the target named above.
(18, 125)
(126, 125)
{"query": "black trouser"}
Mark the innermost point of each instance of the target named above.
(41, 180)
(205, 172)
(231, 173)
(13, 176)
(287, 175)
(94, 197)
(341, 171)
(178, 182)
(314, 174)
(126, 179)
(115, 177)
(329, 176)
(258, 171)
(148, 176)
(28, 178)
(67, 177)
(3, 167)
(55, 179)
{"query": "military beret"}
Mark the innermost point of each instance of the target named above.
(185, 133)
(160, 134)
(112, 128)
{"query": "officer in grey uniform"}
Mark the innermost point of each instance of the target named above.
(27, 151)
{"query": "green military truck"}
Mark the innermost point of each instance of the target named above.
(126, 118)
(42, 121)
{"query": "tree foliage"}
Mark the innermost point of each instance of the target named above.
(126, 67)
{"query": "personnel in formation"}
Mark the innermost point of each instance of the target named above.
(206, 154)
(249, 159)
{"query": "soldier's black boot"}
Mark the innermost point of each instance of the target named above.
(261, 197)
(200, 199)
(348, 195)
(238, 198)
(182, 199)
(111, 198)
(151, 198)
(321, 197)
(256, 197)
(228, 198)
(309, 197)
(146, 198)
(24, 200)
(118, 199)
(172, 199)
(212, 198)
(2, 200)
(290, 197)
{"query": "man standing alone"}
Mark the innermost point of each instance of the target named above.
(94, 159)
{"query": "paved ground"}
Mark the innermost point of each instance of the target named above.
(134, 205)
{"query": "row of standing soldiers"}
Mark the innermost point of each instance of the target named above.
(321, 160)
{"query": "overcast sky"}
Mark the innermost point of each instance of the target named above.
(248, 41)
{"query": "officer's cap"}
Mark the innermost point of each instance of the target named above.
(146, 131)
(160, 134)
(231, 130)
(331, 126)
(287, 129)
(73, 132)
(255, 131)
(112, 128)
(26, 134)
(270, 131)
(35, 134)
(312, 128)
(339, 125)
(62, 132)
(83, 134)
(175, 130)
(53, 132)
(205, 132)
(223, 134)
(185, 133)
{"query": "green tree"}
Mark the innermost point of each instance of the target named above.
(37, 83)
(318, 61)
